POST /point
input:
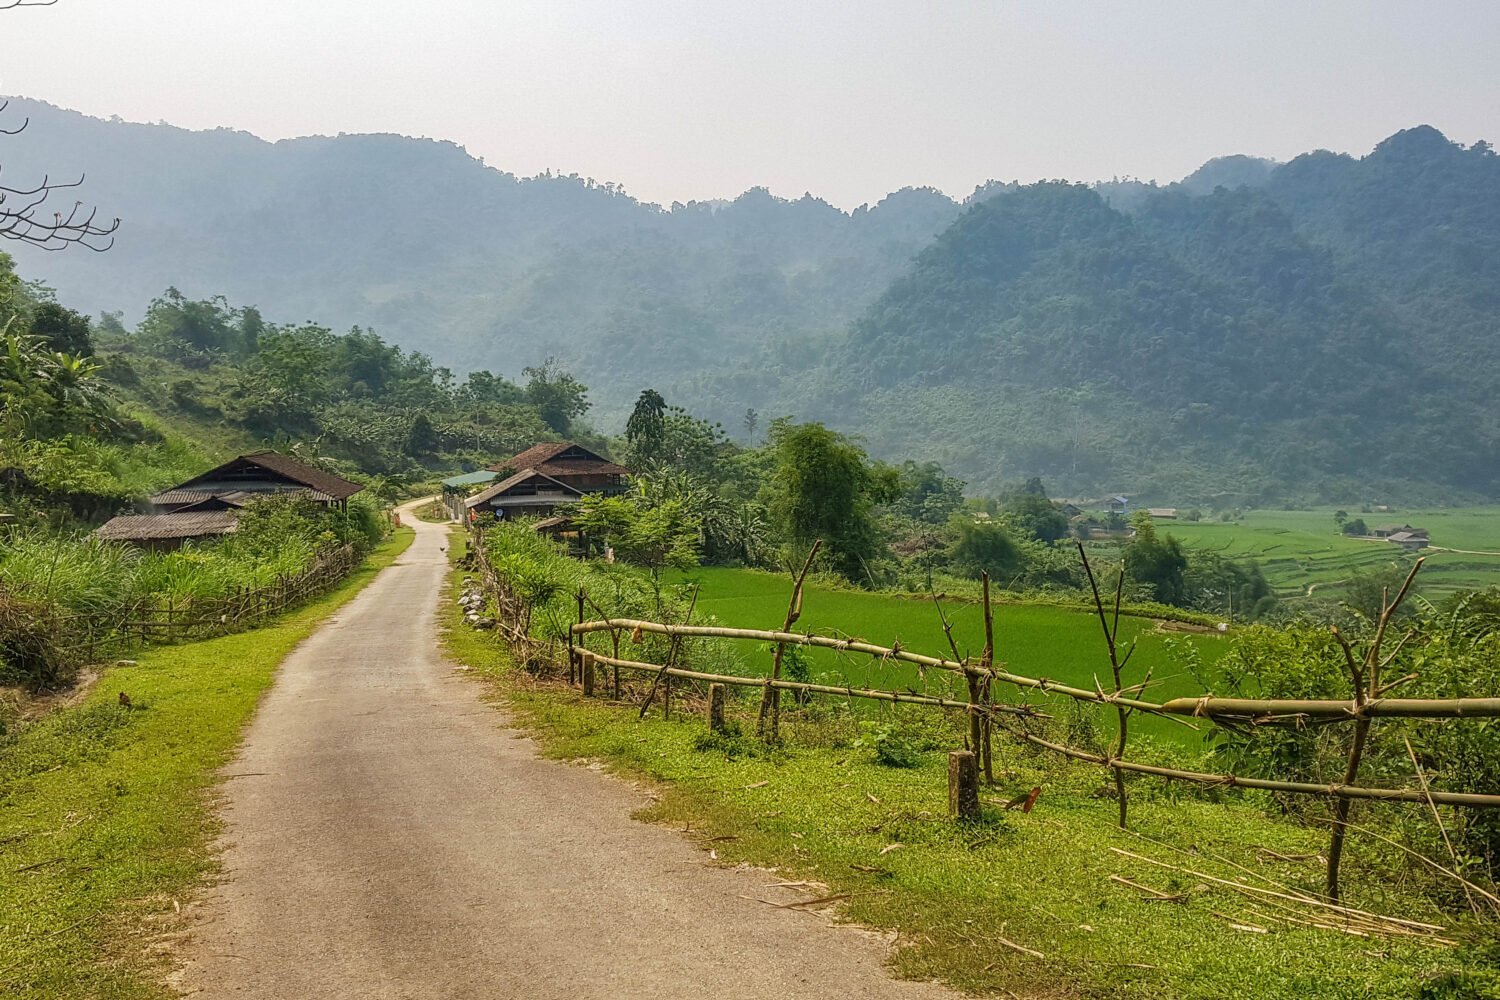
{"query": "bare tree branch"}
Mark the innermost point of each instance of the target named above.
(23, 218)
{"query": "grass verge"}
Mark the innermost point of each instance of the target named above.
(106, 812)
(822, 808)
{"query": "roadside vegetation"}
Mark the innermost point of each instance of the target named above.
(106, 810)
(855, 803)
(60, 591)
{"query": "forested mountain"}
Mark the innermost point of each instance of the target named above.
(442, 253)
(1331, 331)
(1325, 328)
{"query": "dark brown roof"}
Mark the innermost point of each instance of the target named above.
(145, 527)
(513, 481)
(178, 497)
(543, 458)
(331, 486)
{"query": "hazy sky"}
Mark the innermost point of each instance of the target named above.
(847, 100)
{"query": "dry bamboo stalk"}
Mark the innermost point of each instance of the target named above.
(851, 692)
(790, 639)
(1369, 671)
(1365, 915)
(771, 698)
(1474, 800)
(978, 726)
(1252, 709)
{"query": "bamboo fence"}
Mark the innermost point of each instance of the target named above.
(177, 621)
(1367, 704)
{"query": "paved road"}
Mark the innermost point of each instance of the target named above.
(388, 836)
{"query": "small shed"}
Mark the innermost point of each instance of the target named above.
(163, 532)
(456, 488)
(1409, 540)
(1119, 505)
(1163, 513)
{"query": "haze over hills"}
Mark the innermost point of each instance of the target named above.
(1324, 328)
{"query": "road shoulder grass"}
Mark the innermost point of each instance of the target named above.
(822, 809)
(107, 813)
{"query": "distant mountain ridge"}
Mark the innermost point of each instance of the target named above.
(444, 254)
(1322, 328)
(1329, 333)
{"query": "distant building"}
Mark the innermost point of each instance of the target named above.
(570, 464)
(1387, 530)
(1409, 540)
(1163, 513)
(1072, 510)
(1118, 505)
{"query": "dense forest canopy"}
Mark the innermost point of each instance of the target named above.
(1322, 329)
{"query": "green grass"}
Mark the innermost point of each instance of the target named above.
(106, 813)
(1037, 640)
(821, 805)
(1298, 549)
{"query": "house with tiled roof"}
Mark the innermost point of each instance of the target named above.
(546, 478)
(207, 505)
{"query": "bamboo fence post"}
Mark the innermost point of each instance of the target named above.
(672, 651)
(987, 660)
(1368, 671)
(616, 692)
(578, 619)
(771, 702)
(1115, 667)
(586, 660)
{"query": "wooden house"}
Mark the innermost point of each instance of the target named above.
(206, 506)
(546, 479)
(265, 473)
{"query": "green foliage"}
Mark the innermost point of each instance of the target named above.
(1157, 562)
(558, 396)
(826, 489)
(1034, 516)
(1355, 527)
(651, 535)
(983, 547)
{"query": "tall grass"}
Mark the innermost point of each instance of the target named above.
(59, 588)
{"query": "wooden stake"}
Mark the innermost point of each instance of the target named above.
(716, 708)
(587, 666)
(963, 784)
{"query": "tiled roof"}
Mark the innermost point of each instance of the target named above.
(177, 496)
(230, 476)
(541, 458)
(143, 527)
(513, 481)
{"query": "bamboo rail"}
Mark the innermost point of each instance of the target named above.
(1473, 800)
(1254, 709)
(859, 646)
(877, 694)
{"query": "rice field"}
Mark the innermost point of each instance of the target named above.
(1038, 640)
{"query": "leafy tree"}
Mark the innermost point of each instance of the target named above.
(751, 422)
(558, 396)
(1034, 516)
(1356, 527)
(1339, 517)
(927, 493)
(645, 428)
(62, 329)
(1156, 561)
(826, 488)
(421, 439)
(983, 547)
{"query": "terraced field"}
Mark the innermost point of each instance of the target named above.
(1302, 552)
